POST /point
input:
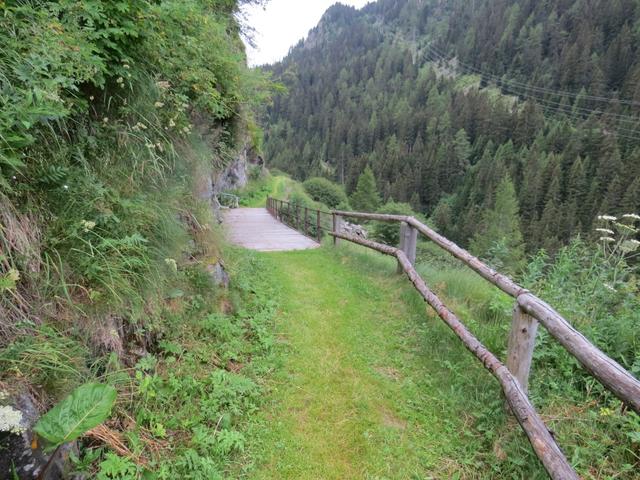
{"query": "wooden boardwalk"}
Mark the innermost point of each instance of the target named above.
(256, 229)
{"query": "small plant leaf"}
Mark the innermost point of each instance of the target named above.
(87, 407)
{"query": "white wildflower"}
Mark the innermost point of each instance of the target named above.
(158, 104)
(607, 239)
(171, 263)
(607, 218)
(10, 420)
(172, 123)
(629, 246)
(120, 80)
(628, 228)
(88, 225)
(609, 287)
(92, 98)
(605, 230)
(105, 119)
(126, 66)
(66, 187)
(185, 129)
(632, 216)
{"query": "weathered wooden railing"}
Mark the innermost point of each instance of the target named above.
(228, 200)
(313, 223)
(528, 311)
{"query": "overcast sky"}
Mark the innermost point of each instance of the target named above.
(282, 23)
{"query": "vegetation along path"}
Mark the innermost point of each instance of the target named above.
(358, 395)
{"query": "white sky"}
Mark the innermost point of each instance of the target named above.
(282, 23)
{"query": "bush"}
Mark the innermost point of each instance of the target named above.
(389, 232)
(325, 191)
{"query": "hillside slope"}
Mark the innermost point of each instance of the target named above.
(446, 99)
(118, 120)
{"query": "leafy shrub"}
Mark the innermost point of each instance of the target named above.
(325, 191)
(389, 232)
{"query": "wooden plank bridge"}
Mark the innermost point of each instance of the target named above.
(256, 229)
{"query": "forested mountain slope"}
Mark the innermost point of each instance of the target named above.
(444, 99)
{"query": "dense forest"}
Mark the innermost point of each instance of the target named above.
(446, 100)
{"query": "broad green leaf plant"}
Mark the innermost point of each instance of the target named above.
(87, 407)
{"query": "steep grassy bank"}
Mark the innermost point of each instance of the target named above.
(114, 117)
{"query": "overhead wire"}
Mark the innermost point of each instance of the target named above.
(508, 85)
(543, 89)
(570, 111)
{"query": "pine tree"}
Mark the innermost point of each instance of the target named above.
(366, 197)
(500, 237)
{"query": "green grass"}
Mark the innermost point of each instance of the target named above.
(370, 386)
(373, 385)
(279, 186)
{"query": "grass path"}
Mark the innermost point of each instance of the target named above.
(356, 396)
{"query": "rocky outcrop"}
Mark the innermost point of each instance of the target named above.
(22, 454)
(236, 174)
(354, 229)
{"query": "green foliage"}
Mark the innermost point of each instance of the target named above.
(366, 198)
(85, 408)
(499, 239)
(45, 357)
(111, 111)
(114, 467)
(389, 232)
(325, 191)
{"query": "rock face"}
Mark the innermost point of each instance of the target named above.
(354, 229)
(22, 454)
(236, 174)
(218, 274)
(209, 183)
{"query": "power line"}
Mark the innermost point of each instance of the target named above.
(543, 89)
(572, 112)
(507, 84)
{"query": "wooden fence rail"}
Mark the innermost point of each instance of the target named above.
(529, 310)
(609, 372)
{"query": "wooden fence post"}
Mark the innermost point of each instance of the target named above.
(297, 217)
(408, 243)
(318, 231)
(337, 228)
(306, 220)
(522, 340)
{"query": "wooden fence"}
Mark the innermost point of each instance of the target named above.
(529, 311)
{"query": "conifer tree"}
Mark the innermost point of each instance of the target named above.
(500, 237)
(366, 197)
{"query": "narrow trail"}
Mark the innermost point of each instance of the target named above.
(354, 399)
